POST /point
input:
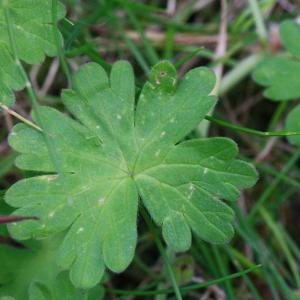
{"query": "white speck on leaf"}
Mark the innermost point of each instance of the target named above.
(191, 187)
(101, 200)
(119, 117)
(51, 214)
(163, 134)
(80, 230)
(205, 170)
(51, 177)
(157, 152)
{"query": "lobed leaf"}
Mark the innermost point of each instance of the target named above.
(31, 273)
(117, 152)
(31, 24)
(280, 75)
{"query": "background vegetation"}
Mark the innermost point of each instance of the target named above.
(231, 37)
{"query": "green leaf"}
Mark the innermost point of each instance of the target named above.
(293, 124)
(290, 37)
(32, 273)
(118, 151)
(30, 25)
(280, 75)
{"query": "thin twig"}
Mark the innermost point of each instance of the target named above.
(266, 150)
(50, 77)
(19, 117)
(221, 46)
(8, 121)
(12, 219)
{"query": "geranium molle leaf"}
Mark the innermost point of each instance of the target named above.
(31, 26)
(31, 273)
(280, 74)
(117, 151)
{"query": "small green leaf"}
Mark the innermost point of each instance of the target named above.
(290, 37)
(31, 273)
(118, 151)
(293, 124)
(30, 25)
(280, 75)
